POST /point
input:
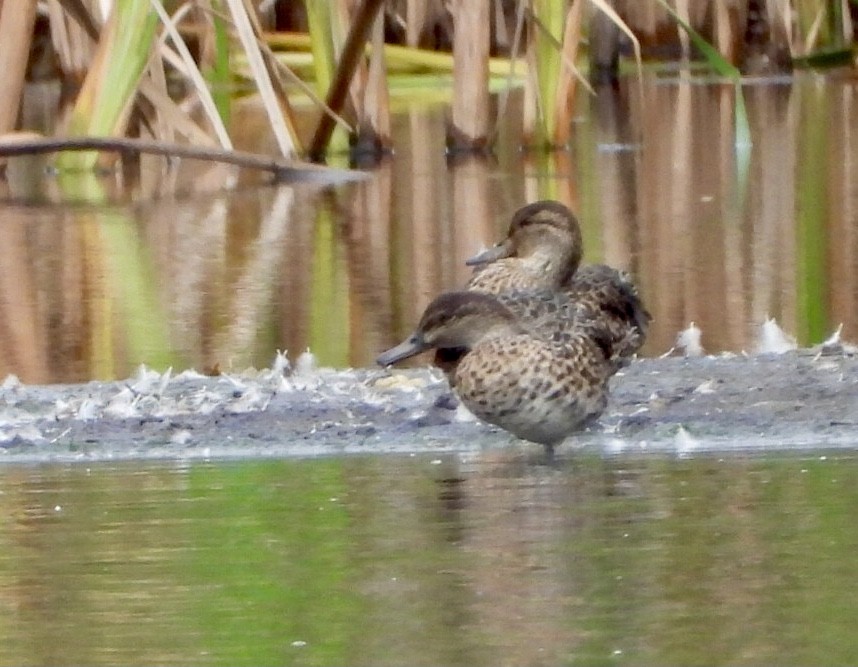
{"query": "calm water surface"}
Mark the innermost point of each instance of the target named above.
(201, 266)
(493, 560)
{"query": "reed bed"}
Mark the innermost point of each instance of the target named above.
(169, 77)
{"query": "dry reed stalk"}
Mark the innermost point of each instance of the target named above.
(564, 99)
(470, 113)
(681, 7)
(276, 107)
(848, 26)
(161, 127)
(349, 60)
(368, 91)
(813, 33)
(17, 18)
(415, 17)
(730, 25)
(375, 120)
(74, 37)
(343, 10)
(184, 63)
(781, 24)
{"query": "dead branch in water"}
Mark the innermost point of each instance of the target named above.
(282, 169)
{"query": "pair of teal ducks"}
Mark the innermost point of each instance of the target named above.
(533, 340)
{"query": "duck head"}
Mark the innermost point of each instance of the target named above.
(452, 325)
(544, 228)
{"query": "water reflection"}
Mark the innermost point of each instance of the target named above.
(166, 267)
(391, 560)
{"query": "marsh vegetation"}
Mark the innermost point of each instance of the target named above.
(169, 71)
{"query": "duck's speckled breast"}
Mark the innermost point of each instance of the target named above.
(506, 275)
(538, 390)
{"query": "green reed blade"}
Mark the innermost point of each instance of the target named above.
(108, 90)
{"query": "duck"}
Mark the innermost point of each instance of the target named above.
(541, 379)
(543, 250)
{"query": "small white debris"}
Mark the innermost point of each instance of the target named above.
(688, 340)
(773, 339)
(26, 433)
(299, 643)
(464, 415)
(615, 446)
(146, 380)
(191, 374)
(707, 387)
(122, 405)
(835, 344)
(11, 382)
(58, 508)
(834, 339)
(306, 363)
(87, 410)
(684, 442)
(281, 365)
(182, 437)
(164, 381)
(400, 381)
(251, 400)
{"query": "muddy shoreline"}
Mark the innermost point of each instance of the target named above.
(806, 400)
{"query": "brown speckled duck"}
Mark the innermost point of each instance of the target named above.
(543, 250)
(539, 381)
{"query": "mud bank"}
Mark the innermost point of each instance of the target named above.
(726, 404)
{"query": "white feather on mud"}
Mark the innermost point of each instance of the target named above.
(688, 340)
(835, 344)
(122, 404)
(773, 339)
(462, 414)
(11, 382)
(306, 363)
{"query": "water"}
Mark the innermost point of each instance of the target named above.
(206, 267)
(489, 560)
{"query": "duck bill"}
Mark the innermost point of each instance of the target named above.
(493, 254)
(408, 348)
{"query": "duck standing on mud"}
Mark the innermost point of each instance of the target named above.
(539, 381)
(543, 250)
